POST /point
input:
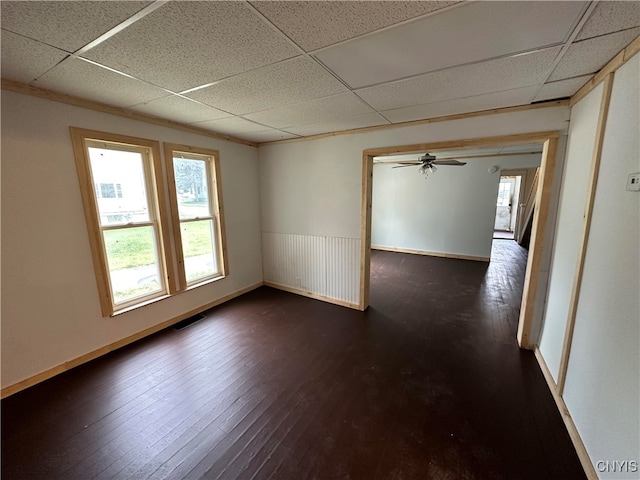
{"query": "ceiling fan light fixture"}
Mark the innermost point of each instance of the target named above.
(427, 169)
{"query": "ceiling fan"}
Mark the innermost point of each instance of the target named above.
(428, 163)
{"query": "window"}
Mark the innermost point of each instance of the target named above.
(504, 192)
(195, 202)
(130, 222)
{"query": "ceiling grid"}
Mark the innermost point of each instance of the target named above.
(272, 70)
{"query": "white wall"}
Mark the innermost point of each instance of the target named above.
(452, 211)
(314, 187)
(568, 231)
(602, 388)
(50, 307)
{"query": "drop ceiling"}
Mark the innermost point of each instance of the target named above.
(264, 71)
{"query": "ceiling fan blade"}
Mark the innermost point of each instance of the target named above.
(406, 165)
(449, 162)
(409, 162)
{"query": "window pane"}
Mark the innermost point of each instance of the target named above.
(107, 190)
(132, 256)
(504, 194)
(200, 258)
(191, 187)
(120, 187)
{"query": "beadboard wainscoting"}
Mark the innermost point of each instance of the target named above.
(320, 267)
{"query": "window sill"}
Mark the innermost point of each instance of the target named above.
(139, 305)
(203, 282)
(164, 297)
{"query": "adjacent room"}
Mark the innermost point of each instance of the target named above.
(263, 239)
(449, 206)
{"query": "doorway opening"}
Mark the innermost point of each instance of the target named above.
(507, 207)
(542, 188)
(516, 204)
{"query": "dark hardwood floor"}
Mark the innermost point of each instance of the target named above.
(427, 384)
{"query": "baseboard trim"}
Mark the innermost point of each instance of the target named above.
(52, 372)
(431, 254)
(585, 460)
(315, 296)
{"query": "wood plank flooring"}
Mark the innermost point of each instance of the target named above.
(427, 384)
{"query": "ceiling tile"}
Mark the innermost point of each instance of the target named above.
(98, 84)
(609, 17)
(231, 126)
(476, 79)
(185, 44)
(348, 123)
(270, 135)
(24, 60)
(506, 98)
(65, 24)
(470, 33)
(313, 25)
(324, 109)
(291, 81)
(589, 56)
(561, 88)
(179, 109)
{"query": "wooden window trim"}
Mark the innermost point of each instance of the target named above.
(216, 210)
(156, 192)
(163, 211)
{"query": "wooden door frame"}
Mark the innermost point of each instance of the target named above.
(548, 139)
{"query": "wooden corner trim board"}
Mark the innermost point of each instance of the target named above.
(365, 230)
(121, 112)
(614, 64)
(431, 254)
(52, 372)
(592, 185)
(537, 243)
(631, 49)
(315, 296)
(585, 460)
